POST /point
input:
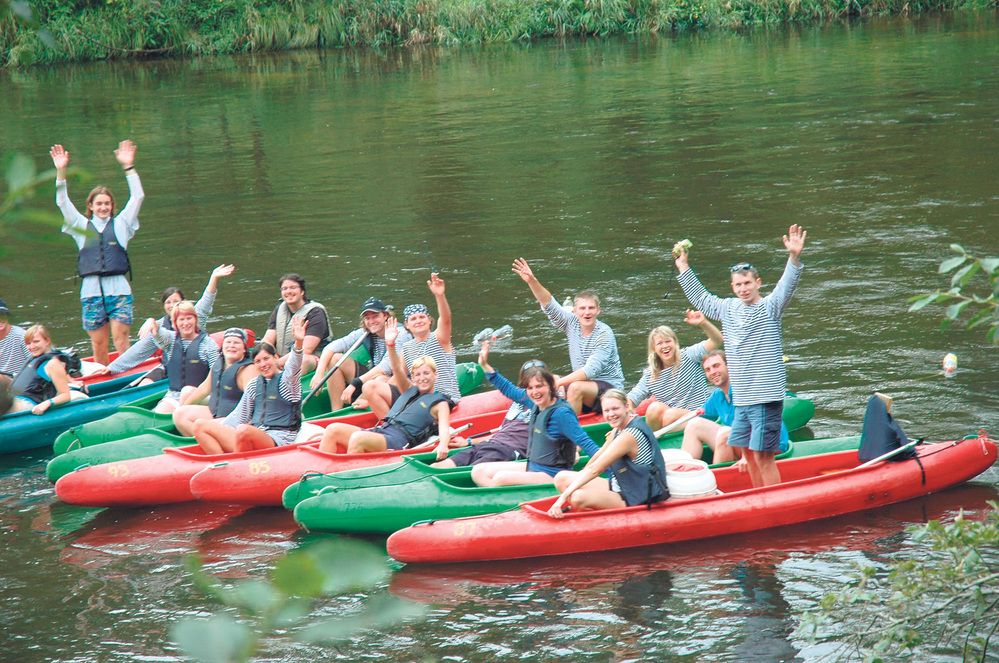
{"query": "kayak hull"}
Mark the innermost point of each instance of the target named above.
(386, 509)
(242, 482)
(813, 487)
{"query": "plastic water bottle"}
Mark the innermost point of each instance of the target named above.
(483, 335)
(504, 332)
(950, 364)
(568, 304)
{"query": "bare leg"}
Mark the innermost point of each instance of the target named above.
(697, 433)
(335, 437)
(767, 472)
(583, 392)
(365, 441)
(185, 416)
(166, 405)
(378, 393)
(99, 339)
(338, 382)
(483, 474)
(213, 437)
(447, 462)
(120, 332)
(250, 438)
(596, 495)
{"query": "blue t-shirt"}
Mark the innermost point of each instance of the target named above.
(719, 406)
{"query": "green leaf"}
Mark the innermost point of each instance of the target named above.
(954, 310)
(923, 302)
(980, 317)
(219, 639)
(993, 335)
(254, 595)
(990, 265)
(951, 263)
(975, 268)
(379, 613)
(957, 248)
(352, 565)
(20, 172)
(959, 274)
(298, 574)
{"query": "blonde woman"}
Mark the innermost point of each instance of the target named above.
(42, 382)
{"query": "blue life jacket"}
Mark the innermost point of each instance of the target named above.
(411, 414)
(30, 384)
(225, 392)
(186, 368)
(102, 255)
(545, 450)
(271, 410)
(641, 483)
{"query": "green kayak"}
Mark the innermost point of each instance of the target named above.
(150, 440)
(137, 417)
(386, 509)
(797, 412)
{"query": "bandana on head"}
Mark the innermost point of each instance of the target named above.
(413, 309)
(235, 332)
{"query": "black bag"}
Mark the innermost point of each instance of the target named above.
(74, 365)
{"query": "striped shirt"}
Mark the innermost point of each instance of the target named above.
(379, 358)
(681, 385)
(289, 389)
(754, 340)
(596, 354)
(447, 374)
(13, 352)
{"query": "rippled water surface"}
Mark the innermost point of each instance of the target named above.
(364, 170)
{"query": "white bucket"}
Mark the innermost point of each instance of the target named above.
(690, 478)
(676, 454)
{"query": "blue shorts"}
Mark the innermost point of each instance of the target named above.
(757, 427)
(394, 437)
(97, 311)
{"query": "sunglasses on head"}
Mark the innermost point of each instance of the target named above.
(533, 363)
(742, 267)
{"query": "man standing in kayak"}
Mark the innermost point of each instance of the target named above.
(596, 366)
(755, 345)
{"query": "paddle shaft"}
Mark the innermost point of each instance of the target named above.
(139, 379)
(679, 422)
(343, 358)
(455, 431)
(886, 456)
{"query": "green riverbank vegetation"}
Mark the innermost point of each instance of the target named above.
(81, 30)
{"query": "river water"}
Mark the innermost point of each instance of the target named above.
(364, 170)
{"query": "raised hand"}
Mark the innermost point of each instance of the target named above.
(484, 357)
(794, 241)
(125, 154)
(223, 270)
(682, 264)
(523, 270)
(436, 285)
(60, 157)
(695, 318)
(298, 324)
(391, 331)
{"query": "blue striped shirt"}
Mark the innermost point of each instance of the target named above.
(681, 385)
(596, 354)
(754, 340)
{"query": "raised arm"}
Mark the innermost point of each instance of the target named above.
(125, 155)
(398, 365)
(526, 274)
(206, 303)
(794, 242)
(71, 216)
(620, 446)
(443, 331)
(698, 319)
(698, 296)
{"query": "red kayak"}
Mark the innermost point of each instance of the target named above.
(813, 487)
(240, 481)
(166, 478)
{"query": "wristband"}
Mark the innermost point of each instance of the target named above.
(357, 384)
(130, 168)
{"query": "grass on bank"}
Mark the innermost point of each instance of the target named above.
(101, 29)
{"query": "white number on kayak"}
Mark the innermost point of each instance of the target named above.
(259, 467)
(118, 470)
(464, 529)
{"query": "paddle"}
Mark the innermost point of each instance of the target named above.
(679, 422)
(139, 379)
(433, 438)
(886, 456)
(343, 358)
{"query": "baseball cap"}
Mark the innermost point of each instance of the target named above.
(373, 304)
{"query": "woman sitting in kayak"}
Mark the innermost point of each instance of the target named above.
(674, 376)
(416, 414)
(638, 474)
(269, 412)
(224, 386)
(553, 430)
(509, 443)
(41, 383)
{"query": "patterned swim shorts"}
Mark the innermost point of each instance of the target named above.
(98, 311)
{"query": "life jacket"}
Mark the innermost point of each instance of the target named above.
(102, 254)
(411, 414)
(30, 384)
(186, 368)
(225, 392)
(271, 410)
(543, 449)
(282, 326)
(641, 483)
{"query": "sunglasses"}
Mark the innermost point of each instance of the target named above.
(742, 267)
(533, 363)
